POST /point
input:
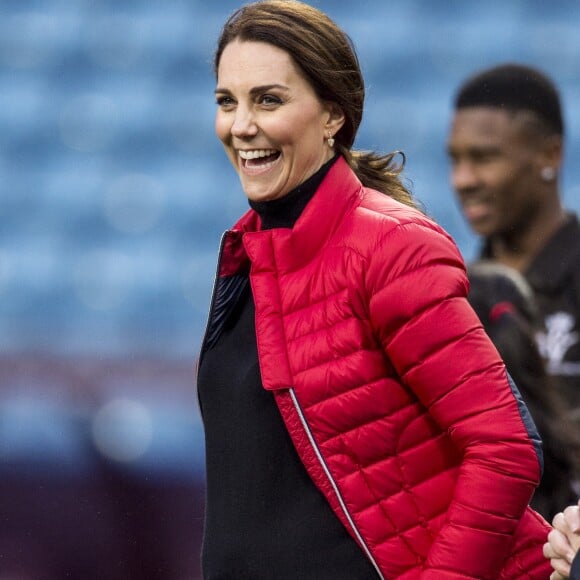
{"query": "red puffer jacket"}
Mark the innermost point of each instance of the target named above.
(396, 401)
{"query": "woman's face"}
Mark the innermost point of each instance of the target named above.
(272, 124)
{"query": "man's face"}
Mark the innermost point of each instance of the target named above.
(494, 169)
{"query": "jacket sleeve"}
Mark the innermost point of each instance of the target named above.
(417, 301)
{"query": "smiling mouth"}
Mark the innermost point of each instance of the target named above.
(476, 209)
(258, 158)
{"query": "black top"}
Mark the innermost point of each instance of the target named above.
(575, 570)
(554, 276)
(265, 519)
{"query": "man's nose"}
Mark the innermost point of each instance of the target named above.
(463, 176)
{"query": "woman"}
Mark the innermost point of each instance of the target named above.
(359, 423)
(503, 301)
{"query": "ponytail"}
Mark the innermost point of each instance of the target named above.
(380, 172)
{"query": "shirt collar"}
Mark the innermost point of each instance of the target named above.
(555, 259)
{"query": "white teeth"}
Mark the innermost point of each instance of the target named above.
(256, 153)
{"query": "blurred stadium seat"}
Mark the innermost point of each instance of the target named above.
(113, 195)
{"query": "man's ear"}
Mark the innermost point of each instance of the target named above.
(552, 152)
(549, 156)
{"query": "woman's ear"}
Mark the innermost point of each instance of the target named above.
(335, 119)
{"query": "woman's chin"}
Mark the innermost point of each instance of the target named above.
(262, 194)
(265, 191)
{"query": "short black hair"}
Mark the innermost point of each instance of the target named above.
(514, 87)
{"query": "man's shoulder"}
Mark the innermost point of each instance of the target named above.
(574, 227)
(562, 250)
(566, 242)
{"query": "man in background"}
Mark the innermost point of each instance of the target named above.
(506, 149)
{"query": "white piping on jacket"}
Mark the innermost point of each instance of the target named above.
(332, 482)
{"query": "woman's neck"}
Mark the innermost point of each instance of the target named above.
(285, 211)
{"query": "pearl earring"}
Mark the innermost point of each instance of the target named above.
(548, 173)
(330, 140)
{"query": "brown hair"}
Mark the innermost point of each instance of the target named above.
(327, 58)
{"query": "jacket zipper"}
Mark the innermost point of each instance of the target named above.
(213, 296)
(305, 424)
(332, 481)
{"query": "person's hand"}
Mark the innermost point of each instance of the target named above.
(563, 541)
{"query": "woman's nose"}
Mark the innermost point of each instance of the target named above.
(244, 124)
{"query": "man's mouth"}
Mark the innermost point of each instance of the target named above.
(476, 209)
(258, 158)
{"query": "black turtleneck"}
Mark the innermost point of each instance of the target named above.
(284, 211)
(265, 519)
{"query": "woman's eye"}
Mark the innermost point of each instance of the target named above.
(270, 100)
(224, 101)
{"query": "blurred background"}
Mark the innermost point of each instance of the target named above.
(113, 195)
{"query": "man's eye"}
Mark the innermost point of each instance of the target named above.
(485, 157)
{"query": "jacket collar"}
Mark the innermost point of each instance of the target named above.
(338, 194)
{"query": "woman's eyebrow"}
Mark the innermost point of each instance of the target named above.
(255, 90)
